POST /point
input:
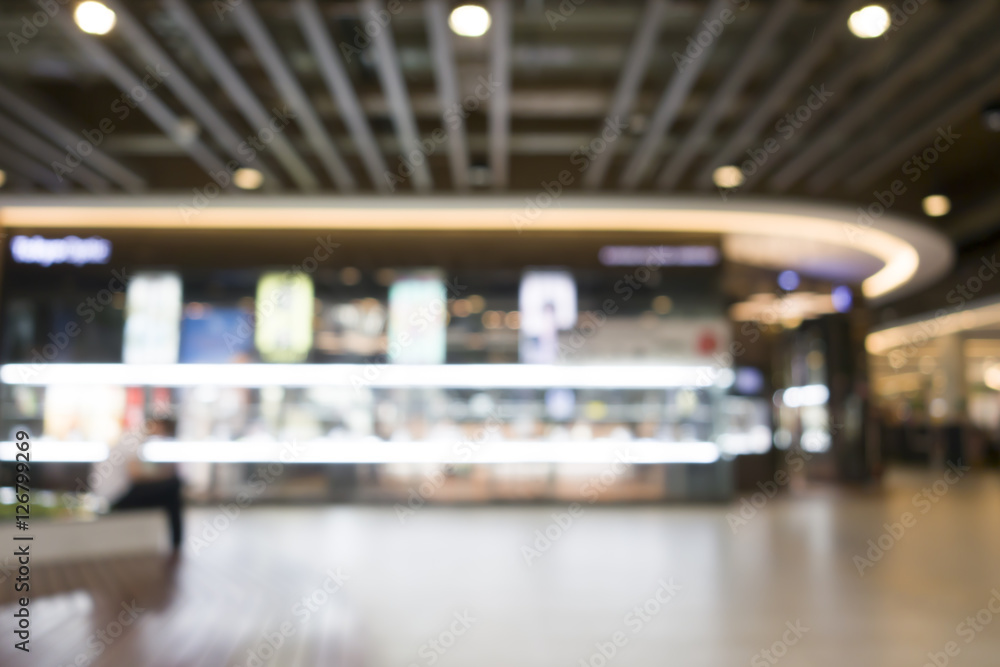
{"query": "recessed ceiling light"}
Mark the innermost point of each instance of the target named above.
(869, 22)
(248, 179)
(936, 205)
(94, 17)
(788, 280)
(469, 20)
(727, 176)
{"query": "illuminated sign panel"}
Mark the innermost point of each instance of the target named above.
(69, 250)
(663, 255)
(285, 305)
(417, 319)
(152, 319)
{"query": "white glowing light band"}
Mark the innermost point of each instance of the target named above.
(57, 451)
(485, 376)
(640, 452)
(807, 396)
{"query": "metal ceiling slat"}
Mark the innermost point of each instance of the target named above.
(629, 83)
(721, 101)
(252, 28)
(125, 79)
(940, 40)
(390, 75)
(239, 92)
(18, 162)
(187, 93)
(37, 147)
(778, 94)
(667, 109)
(339, 84)
(59, 134)
(499, 103)
(956, 73)
(439, 37)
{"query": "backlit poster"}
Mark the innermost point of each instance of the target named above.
(417, 319)
(284, 323)
(152, 319)
(547, 302)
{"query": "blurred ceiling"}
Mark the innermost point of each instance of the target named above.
(515, 109)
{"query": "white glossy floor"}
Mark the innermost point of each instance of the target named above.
(791, 563)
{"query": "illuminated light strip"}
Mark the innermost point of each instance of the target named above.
(809, 395)
(921, 331)
(889, 239)
(472, 376)
(432, 452)
(57, 451)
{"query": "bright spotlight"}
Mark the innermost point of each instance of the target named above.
(94, 17)
(469, 20)
(936, 205)
(248, 179)
(727, 177)
(869, 22)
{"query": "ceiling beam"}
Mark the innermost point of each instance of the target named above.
(188, 94)
(722, 101)
(126, 80)
(252, 28)
(969, 101)
(439, 37)
(668, 109)
(244, 99)
(501, 33)
(18, 162)
(20, 136)
(313, 26)
(956, 73)
(636, 64)
(390, 75)
(936, 41)
(778, 94)
(60, 135)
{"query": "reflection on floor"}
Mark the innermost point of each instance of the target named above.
(649, 585)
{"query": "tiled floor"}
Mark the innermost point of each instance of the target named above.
(451, 586)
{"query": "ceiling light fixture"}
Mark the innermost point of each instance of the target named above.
(727, 176)
(248, 179)
(95, 18)
(936, 205)
(869, 22)
(469, 21)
